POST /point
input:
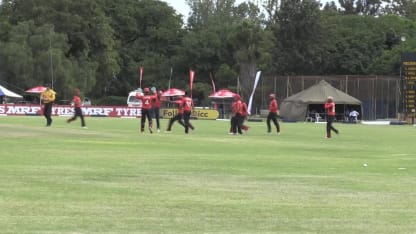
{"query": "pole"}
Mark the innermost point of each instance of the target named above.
(50, 56)
(170, 77)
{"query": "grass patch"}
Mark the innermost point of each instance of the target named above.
(112, 179)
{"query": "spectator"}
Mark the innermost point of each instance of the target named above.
(354, 116)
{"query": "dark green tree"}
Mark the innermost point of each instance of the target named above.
(299, 38)
(89, 37)
(149, 34)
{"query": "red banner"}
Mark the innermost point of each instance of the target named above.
(141, 68)
(212, 82)
(191, 79)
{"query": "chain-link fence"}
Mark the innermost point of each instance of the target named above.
(380, 95)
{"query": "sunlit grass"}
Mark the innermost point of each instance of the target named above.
(112, 179)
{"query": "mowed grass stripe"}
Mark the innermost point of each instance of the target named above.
(111, 179)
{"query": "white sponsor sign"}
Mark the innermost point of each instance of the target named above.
(57, 110)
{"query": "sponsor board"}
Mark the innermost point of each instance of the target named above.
(196, 113)
(99, 111)
(58, 110)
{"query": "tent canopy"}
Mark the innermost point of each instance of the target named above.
(8, 93)
(222, 94)
(173, 92)
(296, 106)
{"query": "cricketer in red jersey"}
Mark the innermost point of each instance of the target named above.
(272, 116)
(178, 117)
(187, 111)
(147, 100)
(77, 108)
(330, 116)
(237, 118)
(244, 113)
(157, 103)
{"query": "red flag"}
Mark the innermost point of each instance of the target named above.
(140, 75)
(191, 79)
(212, 82)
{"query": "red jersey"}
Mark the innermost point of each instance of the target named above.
(244, 110)
(330, 108)
(187, 103)
(146, 101)
(77, 101)
(273, 106)
(180, 105)
(237, 107)
(157, 102)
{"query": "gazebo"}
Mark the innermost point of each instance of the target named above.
(310, 102)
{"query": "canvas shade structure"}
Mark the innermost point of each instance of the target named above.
(173, 92)
(224, 97)
(8, 93)
(297, 106)
(37, 89)
(222, 94)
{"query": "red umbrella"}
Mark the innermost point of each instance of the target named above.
(222, 94)
(37, 89)
(173, 92)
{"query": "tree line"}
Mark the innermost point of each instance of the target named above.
(98, 45)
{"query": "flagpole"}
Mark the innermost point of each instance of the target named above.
(140, 75)
(191, 80)
(238, 84)
(170, 77)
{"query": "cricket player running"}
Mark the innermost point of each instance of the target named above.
(187, 104)
(273, 108)
(178, 117)
(77, 108)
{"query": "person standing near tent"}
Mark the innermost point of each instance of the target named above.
(330, 116)
(77, 108)
(47, 97)
(272, 116)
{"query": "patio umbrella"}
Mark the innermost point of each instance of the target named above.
(173, 92)
(223, 95)
(37, 89)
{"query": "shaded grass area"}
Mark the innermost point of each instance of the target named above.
(111, 179)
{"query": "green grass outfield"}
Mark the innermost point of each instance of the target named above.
(111, 179)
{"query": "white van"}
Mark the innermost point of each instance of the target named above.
(132, 101)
